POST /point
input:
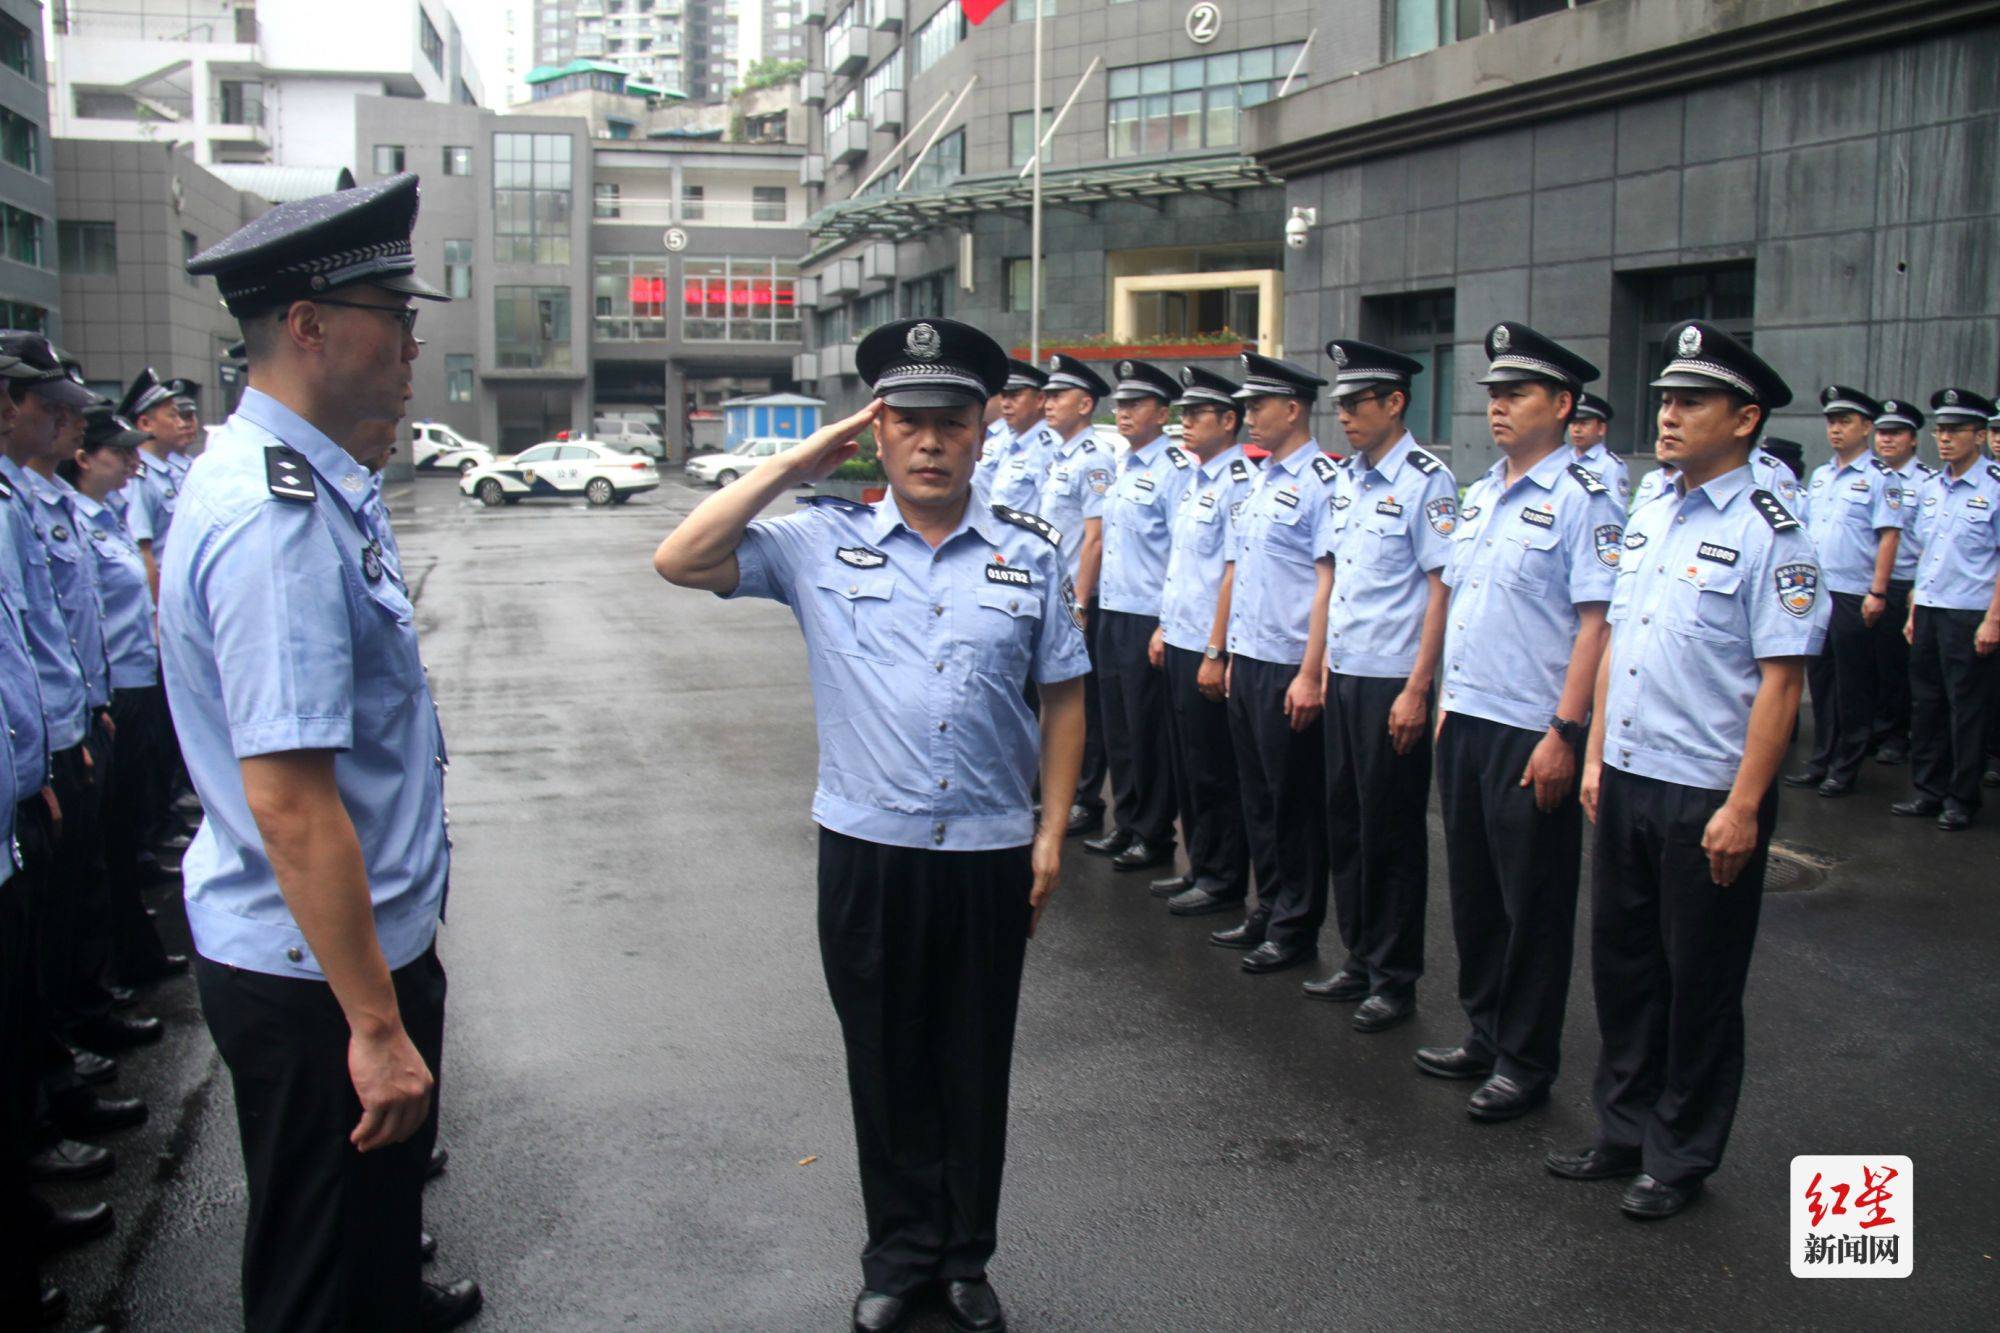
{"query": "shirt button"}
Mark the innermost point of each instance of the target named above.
(937, 833)
(1631, 671)
(1645, 620)
(1626, 723)
(937, 610)
(940, 666)
(943, 725)
(293, 955)
(944, 784)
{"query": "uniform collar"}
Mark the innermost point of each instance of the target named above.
(1594, 454)
(1862, 461)
(1144, 454)
(47, 488)
(1543, 474)
(1074, 442)
(1721, 490)
(86, 506)
(344, 477)
(1215, 466)
(1393, 460)
(1970, 478)
(15, 473)
(1296, 460)
(978, 518)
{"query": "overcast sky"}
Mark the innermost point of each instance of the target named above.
(484, 23)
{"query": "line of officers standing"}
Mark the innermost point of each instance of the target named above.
(1289, 648)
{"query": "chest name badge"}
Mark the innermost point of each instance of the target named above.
(1389, 507)
(1977, 502)
(1207, 500)
(1142, 481)
(860, 557)
(1009, 575)
(1721, 555)
(1288, 498)
(371, 562)
(1540, 518)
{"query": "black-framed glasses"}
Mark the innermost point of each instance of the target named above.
(1348, 402)
(406, 315)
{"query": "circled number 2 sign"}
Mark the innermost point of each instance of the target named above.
(1204, 21)
(676, 239)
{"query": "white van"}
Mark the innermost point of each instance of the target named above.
(632, 436)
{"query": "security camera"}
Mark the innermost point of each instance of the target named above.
(1298, 227)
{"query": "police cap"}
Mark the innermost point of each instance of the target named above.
(931, 362)
(1701, 356)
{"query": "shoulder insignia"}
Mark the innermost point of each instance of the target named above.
(1878, 465)
(1177, 458)
(289, 475)
(1993, 471)
(1034, 523)
(1587, 479)
(1424, 462)
(1926, 468)
(1089, 444)
(1324, 468)
(1773, 511)
(1239, 470)
(840, 502)
(6, 490)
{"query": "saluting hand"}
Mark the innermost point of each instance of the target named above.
(1729, 839)
(394, 1085)
(830, 446)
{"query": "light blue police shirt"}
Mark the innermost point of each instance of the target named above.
(151, 500)
(377, 511)
(58, 668)
(20, 698)
(1607, 467)
(129, 639)
(918, 660)
(74, 571)
(1138, 526)
(10, 860)
(1712, 582)
(1016, 477)
(1961, 541)
(280, 630)
(1770, 472)
(1847, 510)
(1523, 559)
(1390, 527)
(1905, 487)
(1072, 492)
(1278, 540)
(1203, 545)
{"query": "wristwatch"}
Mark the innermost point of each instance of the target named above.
(1569, 732)
(1212, 653)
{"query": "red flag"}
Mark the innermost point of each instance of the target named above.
(978, 11)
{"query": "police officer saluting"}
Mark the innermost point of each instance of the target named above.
(1394, 507)
(1191, 647)
(1717, 607)
(317, 882)
(1953, 627)
(1138, 517)
(1017, 452)
(1532, 564)
(1896, 433)
(924, 616)
(1587, 431)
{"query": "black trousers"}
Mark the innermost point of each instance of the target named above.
(1892, 672)
(1513, 872)
(19, 1280)
(1090, 779)
(1952, 693)
(1134, 697)
(1670, 952)
(1377, 837)
(333, 1234)
(76, 935)
(923, 953)
(131, 797)
(1211, 803)
(1282, 775)
(50, 1069)
(1845, 680)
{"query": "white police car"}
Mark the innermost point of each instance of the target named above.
(436, 447)
(599, 474)
(721, 469)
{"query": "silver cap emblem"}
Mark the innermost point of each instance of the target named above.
(1055, 364)
(1502, 339)
(1340, 356)
(1951, 398)
(1690, 343)
(1124, 370)
(923, 342)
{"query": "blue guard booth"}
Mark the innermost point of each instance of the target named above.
(780, 416)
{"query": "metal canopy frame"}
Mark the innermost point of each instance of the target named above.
(1147, 182)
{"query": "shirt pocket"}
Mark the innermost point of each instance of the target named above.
(1385, 542)
(386, 640)
(857, 611)
(1530, 561)
(1973, 529)
(1284, 535)
(1004, 629)
(1706, 604)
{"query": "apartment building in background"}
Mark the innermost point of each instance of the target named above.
(29, 289)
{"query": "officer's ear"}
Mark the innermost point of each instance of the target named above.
(303, 326)
(1749, 421)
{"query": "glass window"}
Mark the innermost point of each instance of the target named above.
(388, 159)
(1192, 103)
(433, 45)
(628, 297)
(1418, 26)
(20, 141)
(1021, 135)
(541, 453)
(886, 77)
(694, 199)
(924, 296)
(458, 269)
(531, 328)
(740, 300)
(940, 33)
(190, 247)
(1020, 285)
(87, 249)
(20, 315)
(17, 49)
(457, 378)
(767, 203)
(604, 199)
(457, 160)
(1023, 11)
(531, 198)
(944, 164)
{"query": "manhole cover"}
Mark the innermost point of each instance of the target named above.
(1793, 869)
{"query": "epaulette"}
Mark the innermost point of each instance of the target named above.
(6, 490)
(1773, 512)
(1926, 468)
(1878, 464)
(1239, 470)
(1423, 462)
(289, 475)
(840, 502)
(1034, 523)
(1993, 471)
(1177, 458)
(1587, 479)
(1325, 468)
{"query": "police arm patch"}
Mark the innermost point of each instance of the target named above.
(1442, 515)
(1609, 539)
(1798, 587)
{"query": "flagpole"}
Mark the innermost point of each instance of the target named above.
(1035, 211)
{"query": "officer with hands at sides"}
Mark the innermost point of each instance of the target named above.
(1277, 586)
(1953, 627)
(317, 882)
(1138, 514)
(1190, 647)
(1717, 607)
(1017, 452)
(1770, 468)
(1857, 529)
(1587, 431)
(1896, 432)
(1394, 508)
(1533, 558)
(924, 616)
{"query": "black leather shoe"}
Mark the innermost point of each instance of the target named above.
(92, 1067)
(1810, 777)
(440, 1306)
(1200, 902)
(70, 1160)
(171, 965)
(1835, 787)
(1244, 936)
(435, 1166)
(1889, 754)
(1954, 819)
(1649, 1201)
(52, 1304)
(1143, 855)
(117, 1032)
(1083, 819)
(1992, 777)
(972, 1307)
(122, 997)
(93, 1113)
(63, 1228)
(1452, 1062)
(1595, 1162)
(174, 842)
(1268, 957)
(1379, 1013)
(1170, 887)
(1917, 807)
(1342, 985)
(427, 1247)
(1501, 1098)
(877, 1312)
(1110, 844)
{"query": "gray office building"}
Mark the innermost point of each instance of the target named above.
(28, 284)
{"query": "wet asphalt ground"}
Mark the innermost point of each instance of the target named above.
(644, 1096)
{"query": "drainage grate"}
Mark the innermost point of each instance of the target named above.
(1794, 869)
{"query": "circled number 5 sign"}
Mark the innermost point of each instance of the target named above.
(1204, 21)
(676, 239)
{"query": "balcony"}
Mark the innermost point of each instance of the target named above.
(878, 262)
(847, 51)
(836, 360)
(886, 111)
(888, 15)
(848, 142)
(815, 11)
(807, 296)
(812, 169)
(812, 88)
(805, 367)
(840, 278)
